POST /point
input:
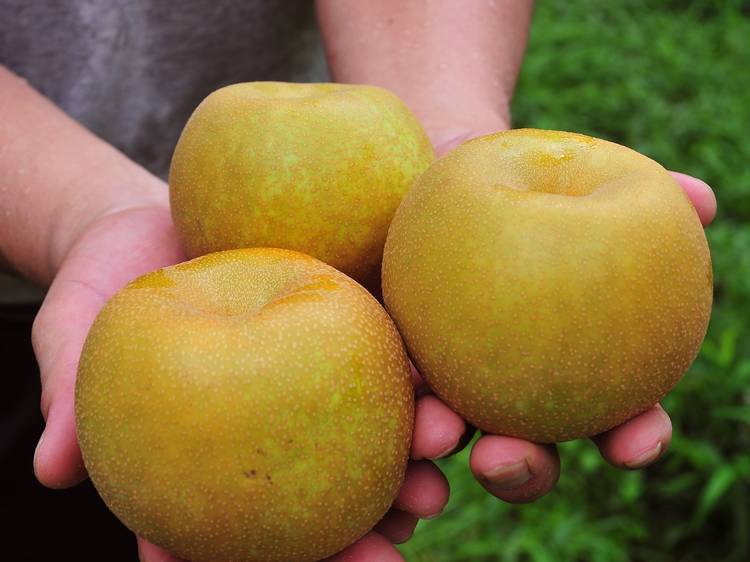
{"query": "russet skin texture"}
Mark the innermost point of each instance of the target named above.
(317, 168)
(247, 406)
(548, 285)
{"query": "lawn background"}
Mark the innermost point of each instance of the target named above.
(672, 80)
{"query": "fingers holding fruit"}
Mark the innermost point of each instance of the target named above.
(518, 471)
(638, 442)
(424, 491)
(642, 440)
(438, 430)
(700, 194)
(514, 470)
(373, 547)
(397, 525)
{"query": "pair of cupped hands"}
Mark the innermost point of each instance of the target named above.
(137, 236)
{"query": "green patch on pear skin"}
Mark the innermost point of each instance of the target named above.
(321, 171)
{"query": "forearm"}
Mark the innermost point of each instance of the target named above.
(454, 63)
(55, 178)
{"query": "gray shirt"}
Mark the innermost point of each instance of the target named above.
(133, 71)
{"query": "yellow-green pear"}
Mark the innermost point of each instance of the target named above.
(548, 285)
(247, 406)
(317, 168)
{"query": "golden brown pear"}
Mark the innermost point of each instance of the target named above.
(317, 168)
(246, 406)
(548, 285)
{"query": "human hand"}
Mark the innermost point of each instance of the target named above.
(112, 250)
(515, 470)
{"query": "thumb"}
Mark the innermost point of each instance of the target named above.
(700, 194)
(58, 335)
(113, 251)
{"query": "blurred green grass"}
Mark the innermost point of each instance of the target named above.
(670, 79)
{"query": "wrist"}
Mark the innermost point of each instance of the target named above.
(57, 177)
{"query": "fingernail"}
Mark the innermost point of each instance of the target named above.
(447, 451)
(433, 516)
(509, 476)
(647, 457)
(38, 446)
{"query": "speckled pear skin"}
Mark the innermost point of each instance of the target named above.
(317, 168)
(548, 285)
(246, 406)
